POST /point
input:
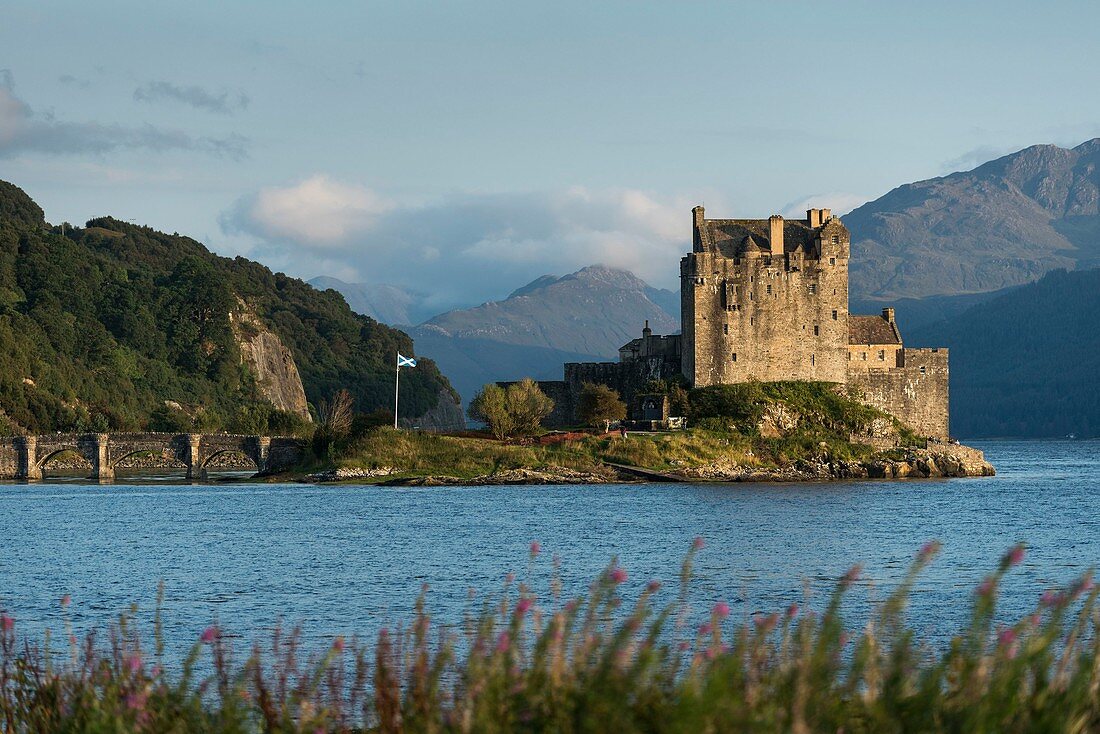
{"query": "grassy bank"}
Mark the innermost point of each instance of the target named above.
(610, 661)
(757, 425)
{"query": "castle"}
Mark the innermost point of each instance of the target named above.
(767, 300)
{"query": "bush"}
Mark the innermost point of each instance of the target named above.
(599, 404)
(517, 410)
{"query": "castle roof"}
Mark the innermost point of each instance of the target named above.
(729, 235)
(872, 330)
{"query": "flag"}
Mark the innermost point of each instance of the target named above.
(403, 361)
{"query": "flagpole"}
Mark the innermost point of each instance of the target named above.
(396, 392)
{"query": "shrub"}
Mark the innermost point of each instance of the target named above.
(517, 410)
(599, 404)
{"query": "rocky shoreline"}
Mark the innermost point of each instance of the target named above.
(938, 461)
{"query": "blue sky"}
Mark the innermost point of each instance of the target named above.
(464, 148)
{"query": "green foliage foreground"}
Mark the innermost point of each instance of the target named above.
(592, 665)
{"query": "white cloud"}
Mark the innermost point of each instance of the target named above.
(839, 202)
(464, 248)
(317, 211)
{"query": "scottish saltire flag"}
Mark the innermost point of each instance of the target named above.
(403, 361)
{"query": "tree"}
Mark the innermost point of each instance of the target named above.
(517, 410)
(599, 404)
(490, 406)
(527, 405)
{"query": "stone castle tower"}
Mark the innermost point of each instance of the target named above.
(765, 299)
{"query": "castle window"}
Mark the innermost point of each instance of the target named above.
(863, 356)
(735, 356)
(817, 330)
(769, 289)
(751, 320)
(836, 239)
(882, 355)
(813, 288)
(922, 369)
(832, 261)
(834, 314)
(726, 329)
(812, 360)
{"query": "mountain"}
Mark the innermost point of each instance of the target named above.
(389, 304)
(1005, 223)
(118, 326)
(1025, 362)
(584, 316)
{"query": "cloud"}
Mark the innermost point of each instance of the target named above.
(71, 81)
(975, 157)
(22, 130)
(222, 103)
(840, 202)
(465, 248)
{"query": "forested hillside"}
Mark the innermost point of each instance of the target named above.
(101, 325)
(1026, 362)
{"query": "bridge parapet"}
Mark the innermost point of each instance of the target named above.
(24, 457)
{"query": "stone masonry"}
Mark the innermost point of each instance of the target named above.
(767, 300)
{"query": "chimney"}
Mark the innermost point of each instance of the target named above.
(698, 217)
(888, 314)
(813, 218)
(647, 332)
(775, 233)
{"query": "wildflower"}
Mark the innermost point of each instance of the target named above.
(523, 605)
(683, 646)
(851, 576)
(209, 635)
(1050, 598)
(65, 600)
(721, 610)
(653, 587)
(765, 623)
(618, 574)
(338, 644)
(503, 642)
(1015, 556)
(985, 588)
(706, 629)
(1007, 636)
(135, 701)
(536, 548)
(72, 639)
(928, 550)
(509, 578)
(698, 543)
(134, 663)
(7, 624)
(792, 611)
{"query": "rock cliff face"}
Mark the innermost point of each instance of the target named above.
(270, 361)
(447, 415)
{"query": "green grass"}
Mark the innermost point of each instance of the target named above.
(613, 660)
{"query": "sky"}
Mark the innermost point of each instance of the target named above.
(462, 149)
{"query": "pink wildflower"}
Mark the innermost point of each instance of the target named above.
(928, 550)
(653, 587)
(65, 600)
(134, 663)
(72, 639)
(698, 543)
(618, 575)
(765, 623)
(536, 548)
(135, 701)
(792, 611)
(1016, 555)
(523, 605)
(503, 642)
(338, 644)
(1050, 598)
(209, 635)
(1007, 636)
(7, 624)
(706, 629)
(721, 610)
(985, 588)
(683, 646)
(851, 576)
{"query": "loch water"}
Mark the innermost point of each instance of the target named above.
(347, 559)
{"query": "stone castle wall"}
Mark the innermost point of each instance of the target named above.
(915, 393)
(767, 317)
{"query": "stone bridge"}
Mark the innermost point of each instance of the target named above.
(23, 457)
